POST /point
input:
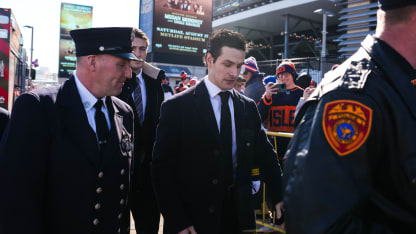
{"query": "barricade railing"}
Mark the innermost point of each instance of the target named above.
(263, 222)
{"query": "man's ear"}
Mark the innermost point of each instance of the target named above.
(209, 58)
(92, 61)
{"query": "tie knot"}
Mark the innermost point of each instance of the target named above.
(98, 105)
(224, 96)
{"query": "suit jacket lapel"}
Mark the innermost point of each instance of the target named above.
(75, 122)
(203, 104)
(114, 137)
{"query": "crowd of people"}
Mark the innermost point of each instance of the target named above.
(80, 157)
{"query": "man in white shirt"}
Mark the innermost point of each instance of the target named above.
(65, 157)
(208, 139)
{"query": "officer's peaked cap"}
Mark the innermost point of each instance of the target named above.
(112, 41)
(394, 4)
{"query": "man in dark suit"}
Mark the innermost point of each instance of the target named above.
(208, 139)
(144, 94)
(65, 157)
(4, 118)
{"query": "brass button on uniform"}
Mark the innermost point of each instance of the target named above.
(122, 202)
(122, 172)
(215, 181)
(99, 190)
(119, 231)
(121, 186)
(248, 144)
(97, 206)
(120, 216)
(100, 174)
(96, 222)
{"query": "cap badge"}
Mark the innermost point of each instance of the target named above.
(101, 48)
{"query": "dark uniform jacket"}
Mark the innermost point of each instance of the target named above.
(52, 178)
(351, 166)
(187, 167)
(145, 134)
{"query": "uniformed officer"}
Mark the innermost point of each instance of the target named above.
(351, 166)
(65, 157)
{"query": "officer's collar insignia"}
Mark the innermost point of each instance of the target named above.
(413, 82)
(87, 104)
(346, 125)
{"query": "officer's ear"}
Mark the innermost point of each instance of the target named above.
(91, 61)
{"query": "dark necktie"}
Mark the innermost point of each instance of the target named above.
(138, 102)
(101, 124)
(226, 138)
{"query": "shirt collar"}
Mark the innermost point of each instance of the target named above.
(87, 98)
(139, 76)
(213, 90)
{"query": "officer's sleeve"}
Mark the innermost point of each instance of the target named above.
(329, 162)
(23, 167)
(165, 157)
(264, 106)
(266, 158)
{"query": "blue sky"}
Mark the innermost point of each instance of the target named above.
(44, 16)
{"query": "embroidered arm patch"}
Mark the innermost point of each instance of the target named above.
(346, 125)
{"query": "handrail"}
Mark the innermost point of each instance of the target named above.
(280, 134)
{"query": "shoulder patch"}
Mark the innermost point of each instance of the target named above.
(346, 125)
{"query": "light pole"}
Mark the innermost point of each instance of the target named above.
(324, 14)
(31, 50)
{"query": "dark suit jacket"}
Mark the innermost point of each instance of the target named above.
(4, 118)
(145, 135)
(187, 167)
(52, 177)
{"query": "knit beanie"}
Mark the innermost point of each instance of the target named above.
(287, 67)
(250, 64)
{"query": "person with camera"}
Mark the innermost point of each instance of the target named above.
(278, 104)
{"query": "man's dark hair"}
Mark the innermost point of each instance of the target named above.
(225, 37)
(140, 34)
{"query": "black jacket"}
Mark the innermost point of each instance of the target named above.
(53, 179)
(351, 166)
(145, 134)
(187, 173)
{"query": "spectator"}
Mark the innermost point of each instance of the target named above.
(184, 84)
(254, 86)
(167, 90)
(239, 84)
(278, 106)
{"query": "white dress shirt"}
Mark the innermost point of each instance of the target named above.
(213, 92)
(88, 101)
(140, 80)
